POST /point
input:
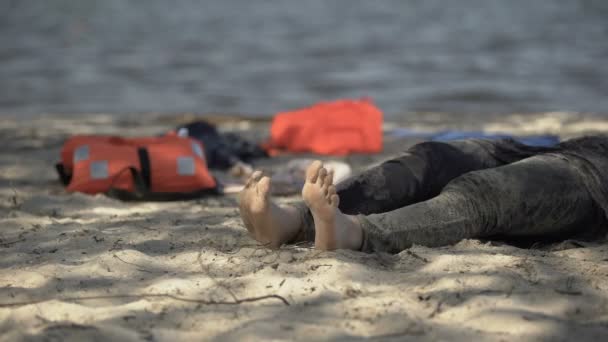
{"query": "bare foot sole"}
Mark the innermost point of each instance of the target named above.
(333, 229)
(267, 222)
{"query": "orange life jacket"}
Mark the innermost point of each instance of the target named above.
(332, 128)
(154, 168)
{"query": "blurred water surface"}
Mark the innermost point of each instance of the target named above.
(260, 57)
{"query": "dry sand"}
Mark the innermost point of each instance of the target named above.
(76, 267)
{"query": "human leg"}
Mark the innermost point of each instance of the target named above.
(333, 229)
(417, 175)
(266, 221)
(421, 173)
(542, 197)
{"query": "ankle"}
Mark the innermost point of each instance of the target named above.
(355, 233)
(301, 223)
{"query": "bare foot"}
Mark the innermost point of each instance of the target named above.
(269, 223)
(333, 229)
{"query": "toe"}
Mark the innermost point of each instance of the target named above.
(322, 176)
(334, 200)
(313, 171)
(263, 186)
(329, 179)
(331, 190)
(255, 177)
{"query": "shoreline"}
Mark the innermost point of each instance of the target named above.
(556, 122)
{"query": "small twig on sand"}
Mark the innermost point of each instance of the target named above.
(207, 270)
(302, 245)
(437, 309)
(15, 198)
(9, 243)
(138, 267)
(416, 256)
(238, 249)
(569, 292)
(152, 295)
(316, 267)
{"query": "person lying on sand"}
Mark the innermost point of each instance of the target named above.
(439, 193)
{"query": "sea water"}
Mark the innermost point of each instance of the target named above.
(261, 57)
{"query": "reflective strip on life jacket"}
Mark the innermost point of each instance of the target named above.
(69, 147)
(178, 167)
(153, 165)
(98, 167)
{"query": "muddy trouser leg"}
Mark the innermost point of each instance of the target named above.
(542, 197)
(417, 175)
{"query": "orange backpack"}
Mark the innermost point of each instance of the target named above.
(332, 128)
(151, 168)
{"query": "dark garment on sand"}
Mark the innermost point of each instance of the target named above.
(440, 193)
(222, 150)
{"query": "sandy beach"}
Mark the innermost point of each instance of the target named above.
(75, 267)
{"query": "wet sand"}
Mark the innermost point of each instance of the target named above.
(76, 267)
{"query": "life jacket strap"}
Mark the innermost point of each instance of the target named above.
(144, 164)
(64, 177)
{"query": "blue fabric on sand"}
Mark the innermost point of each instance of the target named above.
(544, 140)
